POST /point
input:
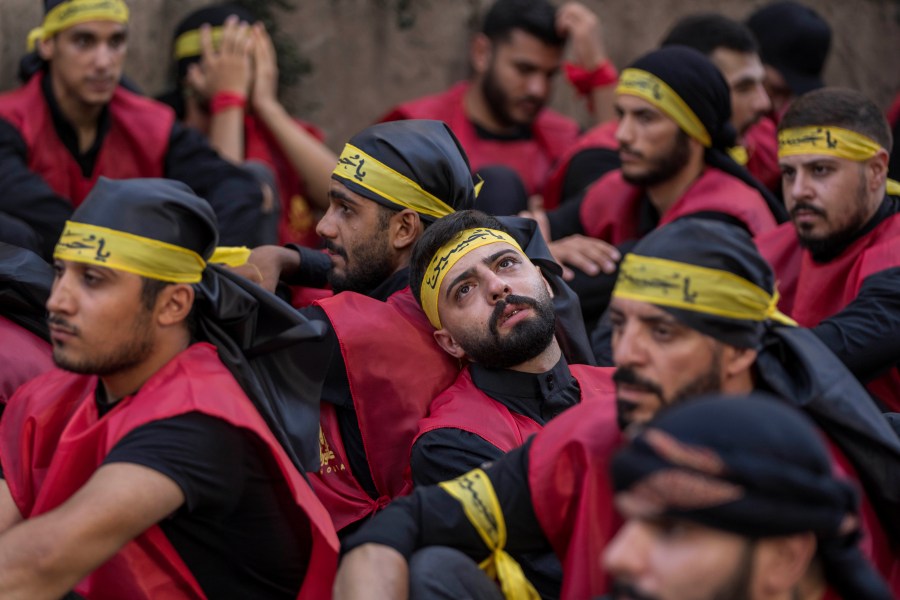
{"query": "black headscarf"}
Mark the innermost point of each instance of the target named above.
(753, 467)
(703, 88)
(25, 282)
(274, 353)
(427, 152)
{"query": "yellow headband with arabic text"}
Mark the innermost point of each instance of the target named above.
(697, 289)
(360, 168)
(73, 12)
(104, 247)
(447, 256)
(831, 141)
(640, 83)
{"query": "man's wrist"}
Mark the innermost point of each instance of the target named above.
(587, 80)
(225, 100)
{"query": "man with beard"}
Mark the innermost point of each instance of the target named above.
(730, 45)
(694, 312)
(393, 181)
(673, 133)
(734, 499)
(838, 262)
(145, 465)
(73, 122)
(499, 115)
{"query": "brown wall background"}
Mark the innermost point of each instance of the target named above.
(363, 61)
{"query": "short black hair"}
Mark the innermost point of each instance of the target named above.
(839, 107)
(439, 233)
(708, 31)
(535, 17)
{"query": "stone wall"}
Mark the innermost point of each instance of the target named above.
(363, 61)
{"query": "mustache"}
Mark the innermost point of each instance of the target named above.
(627, 376)
(630, 150)
(332, 247)
(809, 207)
(623, 591)
(501, 306)
(61, 323)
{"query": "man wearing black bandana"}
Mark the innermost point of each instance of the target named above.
(673, 134)
(392, 181)
(153, 462)
(694, 312)
(72, 122)
(838, 261)
(734, 498)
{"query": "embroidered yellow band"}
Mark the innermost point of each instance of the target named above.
(479, 501)
(74, 12)
(136, 254)
(698, 289)
(357, 166)
(640, 83)
(188, 45)
(833, 141)
(739, 155)
(444, 259)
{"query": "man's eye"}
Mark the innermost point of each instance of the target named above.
(463, 290)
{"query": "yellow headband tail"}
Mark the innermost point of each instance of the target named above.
(360, 168)
(649, 87)
(697, 289)
(447, 256)
(104, 247)
(73, 12)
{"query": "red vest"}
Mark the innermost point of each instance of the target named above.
(23, 356)
(298, 223)
(610, 209)
(395, 370)
(135, 145)
(53, 441)
(464, 406)
(812, 292)
(761, 143)
(600, 136)
(568, 464)
(552, 134)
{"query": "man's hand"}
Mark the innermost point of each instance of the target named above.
(372, 571)
(267, 264)
(537, 213)
(582, 28)
(585, 253)
(228, 69)
(264, 95)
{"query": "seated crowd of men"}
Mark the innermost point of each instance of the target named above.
(477, 354)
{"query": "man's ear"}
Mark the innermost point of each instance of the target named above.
(877, 170)
(738, 360)
(448, 343)
(174, 303)
(782, 562)
(480, 53)
(405, 228)
(46, 48)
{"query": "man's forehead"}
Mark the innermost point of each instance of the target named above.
(640, 309)
(96, 28)
(738, 66)
(797, 161)
(626, 102)
(481, 255)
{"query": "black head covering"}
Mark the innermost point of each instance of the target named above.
(210, 15)
(703, 88)
(793, 39)
(754, 467)
(274, 352)
(424, 151)
(25, 282)
(714, 245)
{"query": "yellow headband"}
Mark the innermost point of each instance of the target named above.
(698, 289)
(833, 141)
(640, 83)
(357, 166)
(74, 12)
(136, 254)
(447, 256)
(187, 45)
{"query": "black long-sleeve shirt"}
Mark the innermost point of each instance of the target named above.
(232, 192)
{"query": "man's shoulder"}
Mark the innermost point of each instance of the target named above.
(148, 109)
(548, 120)
(16, 104)
(432, 106)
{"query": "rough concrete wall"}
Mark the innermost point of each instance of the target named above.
(363, 62)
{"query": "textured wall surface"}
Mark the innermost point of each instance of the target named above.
(363, 61)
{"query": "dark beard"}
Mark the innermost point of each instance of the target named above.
(497, 100)
(666, 167)
(827, 248)
(129, 355)
(525, 341)
(370, 267)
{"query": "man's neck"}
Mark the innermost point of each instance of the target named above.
(665, 194)
(129, 381)
(84, 118)
(196, 117)
(543, 362)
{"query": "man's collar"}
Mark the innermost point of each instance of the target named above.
(391, 285)
(499, 383)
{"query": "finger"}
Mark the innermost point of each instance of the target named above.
(567, 273)
(206, 43)
(195, 77)
(229, 35)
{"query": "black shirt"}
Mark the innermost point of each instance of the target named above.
(232, 192)
(431, 517)
(445, 453)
